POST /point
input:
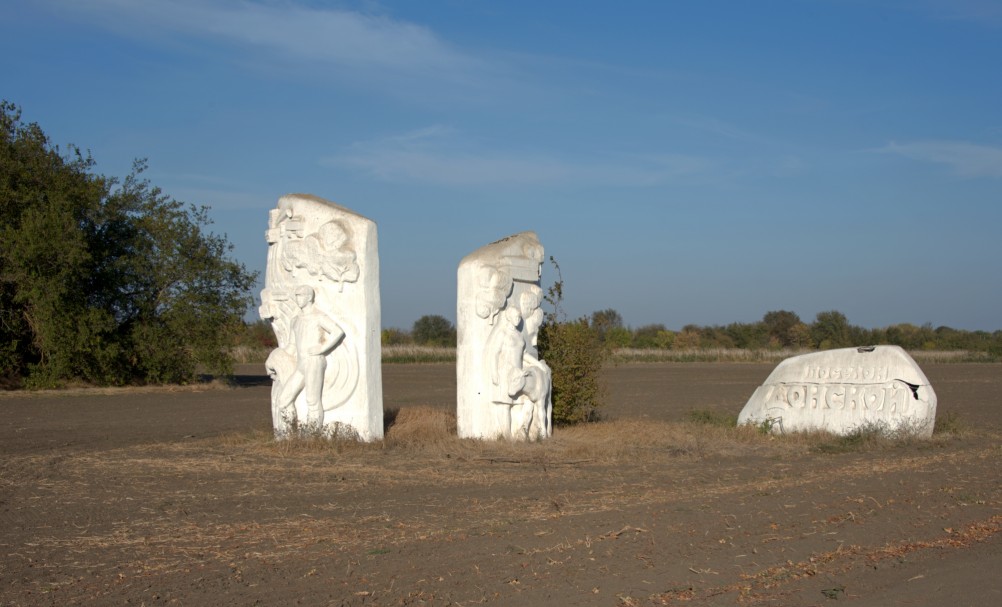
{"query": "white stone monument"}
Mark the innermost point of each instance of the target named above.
(503, 389)
(842, 390)
(321, 296)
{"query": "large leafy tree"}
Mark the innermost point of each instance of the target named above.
(831, 330)
(433, 330)
(782, 327)
(106, 281)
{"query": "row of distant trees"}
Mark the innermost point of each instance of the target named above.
(429, 330)
(784, 329)
(778, 329)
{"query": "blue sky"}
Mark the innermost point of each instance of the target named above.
(685, 162)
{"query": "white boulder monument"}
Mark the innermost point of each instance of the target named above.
(321, 296)
(503, 388)
(843, 390)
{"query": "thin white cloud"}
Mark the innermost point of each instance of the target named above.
(438, 155)
(985, 12)
(963, 158)
(343, 38)
(719, 128)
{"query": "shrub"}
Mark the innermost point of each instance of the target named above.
(575, 353)
(394, 337)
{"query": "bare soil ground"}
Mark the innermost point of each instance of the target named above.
(179, 497)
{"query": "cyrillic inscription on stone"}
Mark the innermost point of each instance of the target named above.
(842, 390)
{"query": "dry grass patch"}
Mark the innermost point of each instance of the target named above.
(420, 426)
(424, 435)
(418, 354)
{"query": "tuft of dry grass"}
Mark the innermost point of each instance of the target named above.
(419, 426)
(950, 424)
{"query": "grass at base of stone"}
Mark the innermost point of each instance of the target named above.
(430, 432)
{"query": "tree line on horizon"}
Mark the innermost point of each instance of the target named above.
(777, 330)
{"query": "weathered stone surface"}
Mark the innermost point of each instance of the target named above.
(321, 296)
(842, 390)
(503, 389)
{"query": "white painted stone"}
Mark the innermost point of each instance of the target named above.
(503, 389)
(321, 296)
(842, 390)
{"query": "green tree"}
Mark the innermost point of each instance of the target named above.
(995, 346)
(688, 338)
(604, 321)
(781, 326)
(104, 281)
(830, 330)
(747, 335)
(800, 335)
(258, 334)
(433, 330)
(653, 336)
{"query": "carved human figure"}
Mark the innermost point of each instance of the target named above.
(530, 416)
(505, 360)
(495, 287)
(532, 316)
(315, 335)
(280, 366)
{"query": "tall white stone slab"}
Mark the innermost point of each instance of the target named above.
(321, 296)
(842, 390)
(503, 389)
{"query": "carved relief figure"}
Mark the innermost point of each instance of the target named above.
(503, 389)
(506, 348)
(321, 296)
(314, 335)
(532, 418)
(533, 421)
(280, 367)
(495, 286)
(326, 252)
(532, 314)
(332, 255)
(519, 379)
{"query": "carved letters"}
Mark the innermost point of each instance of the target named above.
(891, 397)
(842, 390)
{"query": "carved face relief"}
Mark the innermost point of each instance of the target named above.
(495, 287)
